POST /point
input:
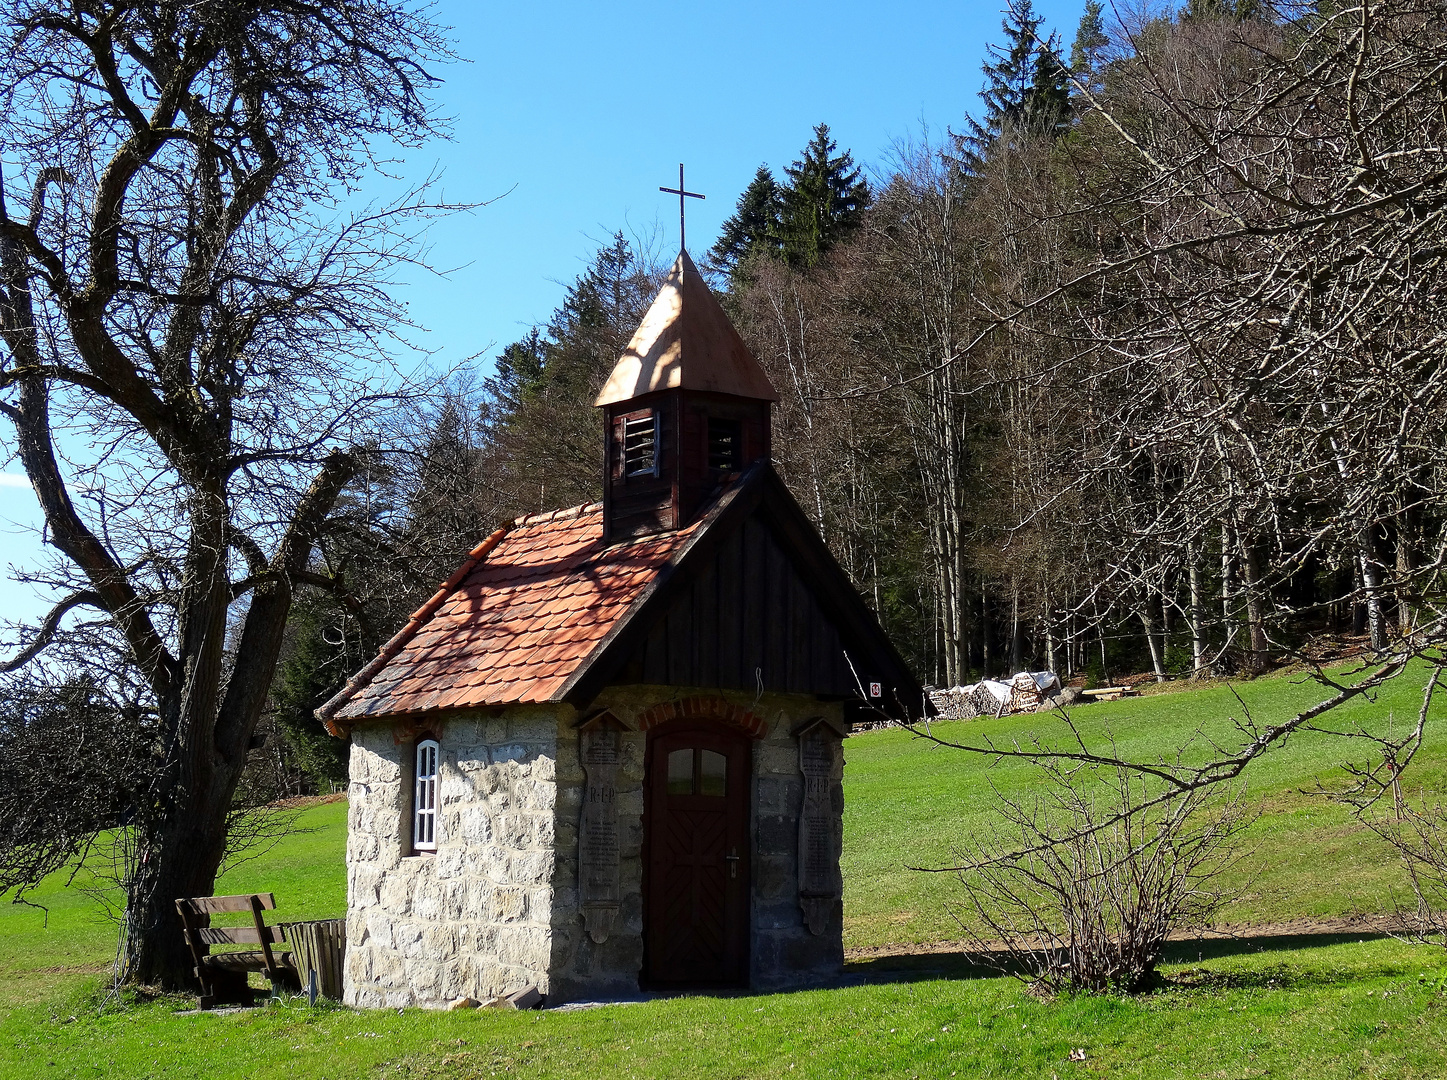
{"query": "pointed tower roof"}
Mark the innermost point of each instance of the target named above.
(686, 342)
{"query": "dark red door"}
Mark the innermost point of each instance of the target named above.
(696, 889)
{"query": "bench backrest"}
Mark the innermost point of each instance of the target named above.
(239, 935)
(215, 905)
(196, 912)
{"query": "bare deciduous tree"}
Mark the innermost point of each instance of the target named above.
(190, 321)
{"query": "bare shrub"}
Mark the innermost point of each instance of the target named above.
(1079, 889)
(1419, 836)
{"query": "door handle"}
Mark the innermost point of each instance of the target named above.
(732, 858)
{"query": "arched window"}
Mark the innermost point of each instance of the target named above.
(424, 797)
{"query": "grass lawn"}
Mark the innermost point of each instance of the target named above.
(907, 803)
(1344, 1010)
(1236, 1009)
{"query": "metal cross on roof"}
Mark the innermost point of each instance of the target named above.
(682, 194)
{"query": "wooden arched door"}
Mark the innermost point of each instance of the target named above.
(696, 881)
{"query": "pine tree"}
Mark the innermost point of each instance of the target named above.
(1089, 45)
(824, 198)
(754, 226)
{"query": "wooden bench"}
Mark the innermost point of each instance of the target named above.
(223, 975)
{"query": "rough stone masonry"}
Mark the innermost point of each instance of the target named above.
(498, 907)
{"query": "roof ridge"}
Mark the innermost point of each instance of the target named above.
(418, 619)
(542, 516)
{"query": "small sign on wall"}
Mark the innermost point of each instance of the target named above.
(820, 823)
(876, 689)
(600, 754)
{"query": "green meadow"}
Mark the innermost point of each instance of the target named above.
(910, 803)
(1322, 1006)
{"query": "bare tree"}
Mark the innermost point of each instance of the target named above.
(1278, 218)
(189, 319)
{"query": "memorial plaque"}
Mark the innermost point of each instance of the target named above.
(600, 753)
(820, 831)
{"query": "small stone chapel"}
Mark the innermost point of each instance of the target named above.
(606, 756)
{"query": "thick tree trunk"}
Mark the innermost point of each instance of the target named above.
(178, 857)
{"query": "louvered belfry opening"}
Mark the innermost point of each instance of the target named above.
(640, 444)
(686, 406)
(725, 445)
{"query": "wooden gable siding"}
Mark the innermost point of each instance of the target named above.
(745, 611)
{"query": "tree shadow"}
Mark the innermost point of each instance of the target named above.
(996, 963)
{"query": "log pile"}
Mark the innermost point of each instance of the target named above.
(1026, 691)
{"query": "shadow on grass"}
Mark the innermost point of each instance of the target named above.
(996, 963)
(1213, 948)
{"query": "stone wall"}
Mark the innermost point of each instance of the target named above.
(473, 920)
(785, 951)
(581, 967)
(497, 908)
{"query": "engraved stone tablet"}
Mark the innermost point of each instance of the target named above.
(600, 751)
(820, 829)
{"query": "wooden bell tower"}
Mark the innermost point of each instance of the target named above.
(686, 406)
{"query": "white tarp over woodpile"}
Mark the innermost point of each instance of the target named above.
(1026, 691)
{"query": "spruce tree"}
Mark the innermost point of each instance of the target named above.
(824, 198)
(1026, 87)
(1009, 75)
(754, 226)
(541, 438)
(1047, 103)
(519, 371)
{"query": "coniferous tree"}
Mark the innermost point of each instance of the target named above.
(519, 371)
(1047, 105)
(1009, 75)
(1026, 87)
(754, 226)
(543, 435)
(1239, 10)
(1087, 50)
(822, 201)
(316, 662)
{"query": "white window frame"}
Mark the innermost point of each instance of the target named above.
(424, 795)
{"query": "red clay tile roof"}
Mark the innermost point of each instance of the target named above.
(530, 604)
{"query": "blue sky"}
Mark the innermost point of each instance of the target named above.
(580, 111)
